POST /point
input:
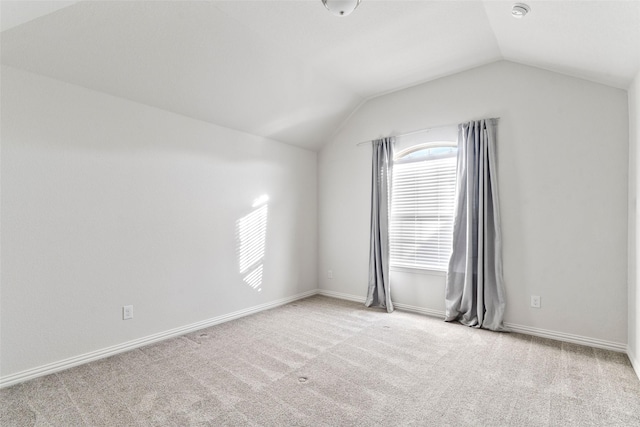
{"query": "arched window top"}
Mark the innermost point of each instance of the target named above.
(427, 151)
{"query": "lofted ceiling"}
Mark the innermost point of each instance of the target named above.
(290, 70)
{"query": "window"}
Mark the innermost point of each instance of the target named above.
(423, 191)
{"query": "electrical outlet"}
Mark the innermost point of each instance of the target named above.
(535, 301)
(330, 274)
(127, 312)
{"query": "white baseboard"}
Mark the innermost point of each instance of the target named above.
(340, 295)
(400, 306)
(634, 361)
(527, 330)
(61, 365)
(571, 338)
(130, 345)
(420, 310)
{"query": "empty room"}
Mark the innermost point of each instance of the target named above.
(319, 213)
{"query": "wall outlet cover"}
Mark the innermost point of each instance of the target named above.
(127, 312)
(535, 301)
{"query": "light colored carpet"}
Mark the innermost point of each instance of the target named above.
(327, 362)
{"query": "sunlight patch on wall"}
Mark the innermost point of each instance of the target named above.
(251, 236)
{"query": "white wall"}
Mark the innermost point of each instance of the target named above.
(634, 225)
(562, 153)
(107, 203)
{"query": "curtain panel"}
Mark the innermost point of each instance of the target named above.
(474, 293)
(379, 293)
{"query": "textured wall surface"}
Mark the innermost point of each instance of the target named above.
(107, 203)
(563, 175)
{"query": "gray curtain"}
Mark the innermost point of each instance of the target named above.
(378, 294)
(474, 294)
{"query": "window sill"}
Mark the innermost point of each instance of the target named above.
(419, 271)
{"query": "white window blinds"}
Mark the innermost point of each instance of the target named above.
(421, 223)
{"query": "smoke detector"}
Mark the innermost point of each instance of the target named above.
(520, 10)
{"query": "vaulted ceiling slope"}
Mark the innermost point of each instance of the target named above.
(290, 70)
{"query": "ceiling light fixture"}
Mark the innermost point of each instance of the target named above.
(341, 7)
(520, 10)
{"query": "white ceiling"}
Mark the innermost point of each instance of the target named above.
(290, 70)
(14, 13)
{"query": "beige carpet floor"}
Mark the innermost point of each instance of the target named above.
(327, 362)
